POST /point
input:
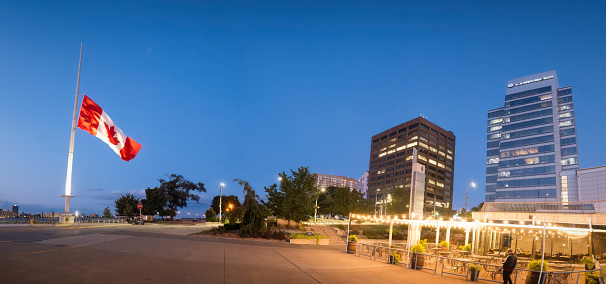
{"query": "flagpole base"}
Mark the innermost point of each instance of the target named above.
(67, 217)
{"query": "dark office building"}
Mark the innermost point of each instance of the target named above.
(390, 163)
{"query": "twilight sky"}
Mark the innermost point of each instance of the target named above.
(219, 90)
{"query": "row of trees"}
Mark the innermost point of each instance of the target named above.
(294, 198)
(173, 193)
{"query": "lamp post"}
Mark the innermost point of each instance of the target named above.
(316, 208)
(220, 197)
(473, 184)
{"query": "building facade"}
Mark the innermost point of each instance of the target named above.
(334, 180)
(363, 184)
(390, 164)
(530, 141)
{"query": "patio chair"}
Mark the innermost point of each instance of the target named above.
(454, 266)
(493, 271)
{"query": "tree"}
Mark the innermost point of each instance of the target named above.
(226, 200)
(253, 220)
(275, 198)
(400, 200)
(126, 204)
(107, 213)
(477, 208)
(154, 201)
(344, 200)
(177, 191)
(295, 199)
(211, 215)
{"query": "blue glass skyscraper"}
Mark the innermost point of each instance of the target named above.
(530, 141)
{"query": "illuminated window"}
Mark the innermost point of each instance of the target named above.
(422, 158)
(530, 161)
(433, 149)
(382, 154)
(495, 136)
(432, 162)
(448, 157)
(569, 161)
(564, 189)
(494, 121)
(565, 114)
(431, 181)
(492, 161)
(439, 184)
(423, 144)
(545, 97)
(440, 165)
(449, 152)
(413, 138)
(504, 174)
(411, 144)
(400, 148)
(565, 107)
(442, 153)
(495, 128)
(566, 123)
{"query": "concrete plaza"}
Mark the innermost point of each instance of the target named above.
(167, 253)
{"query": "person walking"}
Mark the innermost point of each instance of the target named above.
(508, 266)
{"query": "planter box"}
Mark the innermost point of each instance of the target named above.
(302, 242)
(322, 242)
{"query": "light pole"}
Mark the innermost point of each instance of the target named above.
(316, 211)
(220, 197)
(473, 184)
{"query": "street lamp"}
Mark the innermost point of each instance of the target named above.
(473, 184)
(220, 199)
(316, 211)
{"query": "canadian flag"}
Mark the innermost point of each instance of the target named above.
(96, 122)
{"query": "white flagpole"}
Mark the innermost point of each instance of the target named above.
(68, 181)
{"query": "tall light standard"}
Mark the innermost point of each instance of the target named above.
(220, 197)
(316, 211)
(473, 184)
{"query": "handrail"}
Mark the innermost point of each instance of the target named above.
(371, 250)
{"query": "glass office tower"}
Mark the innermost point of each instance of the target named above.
(531, 140)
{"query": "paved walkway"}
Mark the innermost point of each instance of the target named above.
(165, 253)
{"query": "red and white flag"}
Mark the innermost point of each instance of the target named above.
(96, 122)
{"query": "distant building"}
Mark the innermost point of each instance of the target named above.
(363, 184)
(15, 209)
(337, 181)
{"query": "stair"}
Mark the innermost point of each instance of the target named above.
(328, 231)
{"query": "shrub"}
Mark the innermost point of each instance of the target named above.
(419, 248)
(473, 268)
(466, 247)
(215, 231)
(423, 242)
(352, 238)
(232, 226)
(588, 261)
(536, 265)
(444, 244)
(306, 237)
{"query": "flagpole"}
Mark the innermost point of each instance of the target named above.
(67, 216)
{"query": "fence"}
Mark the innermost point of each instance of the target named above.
(464, 268)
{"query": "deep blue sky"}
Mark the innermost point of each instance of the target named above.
(218, 90)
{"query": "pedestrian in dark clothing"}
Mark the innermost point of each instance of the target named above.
(508, 266)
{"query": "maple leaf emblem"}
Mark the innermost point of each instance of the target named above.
(111, 134)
